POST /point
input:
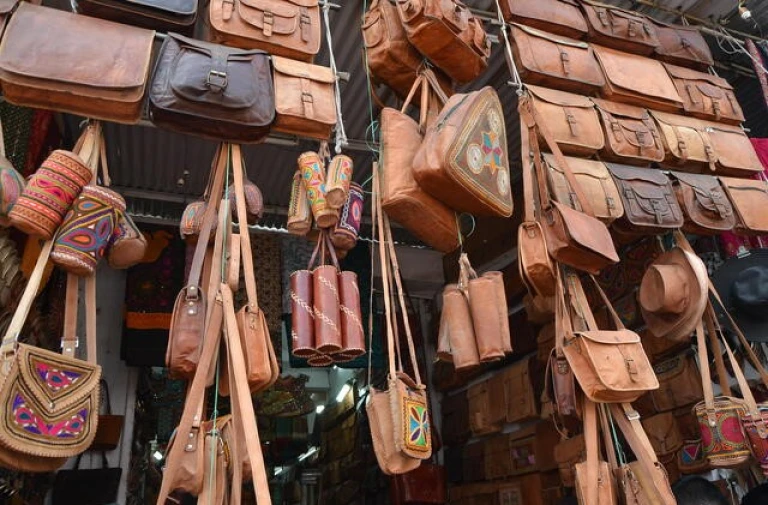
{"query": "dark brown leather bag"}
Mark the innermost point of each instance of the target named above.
(621, 29)
(423, 486)
(212, 91)
(663, 433)
(636, 80)
(705, 95)
(705, 206)
(51, 59)
(519, 393)
(480, 410)
(750, 201)
(562, 17)
(683, 45)
(164, 15)
(446, 32)
(555, 61)
(650, 205)
(631, 136)
(568, 453)
(679, 383)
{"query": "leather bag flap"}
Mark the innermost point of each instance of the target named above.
(7, 6)
(620, 109)
(618, 360)
(580, 167)
(733, 148)
(637, 74)
(610, 337)
(555, 39)
(694, 75)
(284, 15)
(677, 120)
(588, 232)
(710, 90)
(173, 7)
(625, 173)
(560, 98)
(303, 70)
(455, 15)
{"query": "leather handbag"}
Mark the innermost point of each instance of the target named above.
(705, 206)
(621, 29)
(212, 91)
(571, 119)
(107, 80)
(129, 246)
(95, 486)
(305, 100)
(631, 136)
(748, 198)
(561, 17)
(705, 95)
(312, 168)
(555, 61)
(463, 158)
(177, 16)
(424, 485)
(448, 34)
(519, 393)
(595, 181)
(480, 422)
(289, 28)
(679, 383)
(636, 80)
(650, 205)
(110, 425)
(663, 433)
(683, 45)
(568, 453)
(402, 199)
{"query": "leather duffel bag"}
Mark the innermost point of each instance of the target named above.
(637, 80)
(750, 201)
(555, 61)
(621, 29)
(305, 101)
(289, 28)
(706, 209)
(650, 205)
(683, 45)
(463, 159)
(705, 95)
(631, 136)
(164, 15)
(446, 32)
(212, 91)
(571, 119)
(51, 59)
(561, 17)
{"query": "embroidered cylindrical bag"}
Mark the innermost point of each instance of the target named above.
(87, 230)
(49, 194)
(11, 187)
(722, 437)
(192, 220)
(325, 298)
(128, 244)
(345, 233)
(352, 335)
(312, 173)
(302, 317)
(299, 213)
(254, 202)
(338, 180)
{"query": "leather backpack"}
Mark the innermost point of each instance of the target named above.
(705, 206)
(650, 205)
(555, 61)
(621, 29)
(631, 136)
(561, 17)
(683, 45)
(749, 199)
(705, 95)
(164, 15)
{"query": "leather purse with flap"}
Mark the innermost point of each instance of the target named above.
(750, 201)
(164, 15)
(679, 383)
(706, 209)
(663, 433)
(631, 136)
(519, 393)
(621, 29)
(51, 59)
(650, 205)
(705, 95)
(683, 45)
(561, 17)
(555, 61)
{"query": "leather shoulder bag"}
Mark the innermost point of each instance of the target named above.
(555, 61)
(705, 95)
(212, 91)
(164, 15)
(705, 206)
(735, 153)
(621, 29)
(679, 383)
(571, 119)
(51, 59)
(683, 45)
(568, 453)
(561, 17)
(749, 199)
(636, 80)
(593, 479)
(289, 28)
(650, 205)
(631, 136)
(663, 433)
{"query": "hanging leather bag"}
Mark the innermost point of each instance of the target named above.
(621, 29)
(555, 61)
(457, 334)
(683, 45)
(663, 433)
(568, 453)
(92, 486)
(110, 425)
(212, 91)
(561, 17)
(705, 95)
(289, 28)
(177, 16)
(679, 383)
(749, 198)
(488, 306)
(631, 136)
(705, 206)
(593, 479)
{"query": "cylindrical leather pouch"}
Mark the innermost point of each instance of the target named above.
(337, 181)
(722, 436)
(299, 213)
(344, 235)
(320, 360)
(11, 187)
(457, 323)
(128, 244)
(352, 334)
(87, 230)
(312, 173)
(49, 194)
(326, 309)
(302, 316)
(497, 280)
(487, 319)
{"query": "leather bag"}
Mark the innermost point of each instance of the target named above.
(212, 91)
(621, 29)
(424, 485)
(679, 383)
(448, 34)
(177, 16)
(519, 393)
(463, 158)
(94, 486)
(289, 28)
(129, 246)
(663, 433)
(305, 100)
(568, 453)
(488, 307)
(299, 210)
(705, 205)
(593, 478)
(561, 17)
(110, 425)
(456, 330)
(683, 45)
(705, 95)
(480, 422)
(555, 61)
(650, 205)
(749, 198)
(105, 80)
(636, 80)
(631, 135)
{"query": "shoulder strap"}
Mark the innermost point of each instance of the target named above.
(69, 339)
(706, 378)
(593, 450)
(246, 256)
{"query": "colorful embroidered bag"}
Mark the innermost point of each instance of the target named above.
(338, 180)
(11, 183)
(128, 245)
(312, 171)
(345, 233)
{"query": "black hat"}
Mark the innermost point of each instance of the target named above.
(743, 286)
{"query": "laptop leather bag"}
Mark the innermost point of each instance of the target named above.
(631, 135)
(705, 95)
(749, 199)
(621, 29)
(683, 45)
(705, 205)
(561, 17)
(163, 15)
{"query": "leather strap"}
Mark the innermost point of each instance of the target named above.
(69, 339)
(246, 256)
(706, 378)
(714, 343)
(610, 447)
(593, 450)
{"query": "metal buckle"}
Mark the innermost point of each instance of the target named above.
(632, 415)
(217, 79)
(307, 97)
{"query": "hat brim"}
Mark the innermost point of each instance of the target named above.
(755, 329)
(680, 326)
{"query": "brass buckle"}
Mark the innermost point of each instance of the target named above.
(217, 79)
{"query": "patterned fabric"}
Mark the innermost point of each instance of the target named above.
(418, 424)
(758, 443)
(345, 233)
(25, 417)
(724, 444)
(267, 260)
(11, 187)
(338, 179)
(416, 438)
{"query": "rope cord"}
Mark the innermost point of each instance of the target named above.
(517, 82)
(341, 134)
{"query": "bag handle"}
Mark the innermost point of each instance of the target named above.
(616, 319)
(717, 350)
(69, 339)
(592, 443)
(706, 378)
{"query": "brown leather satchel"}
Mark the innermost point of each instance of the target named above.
(289, 28)
(593, 478)
(650, 205)
(212, 91)
(177, 16)
(705, 95)
(479, 410)
(446, 32)
(555, 61)
(636, 80)
(463, 158)
(519, 393)
(705, 206)
(749, 199)
(679, 383)
(663, 433)
(621, 29)
(305, 101)
(562, 17)
(51, 59)
(568, 453)
(631, 136)
(571, 119)
(683, 45)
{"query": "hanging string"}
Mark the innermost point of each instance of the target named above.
(341, 134)
(517, 82)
